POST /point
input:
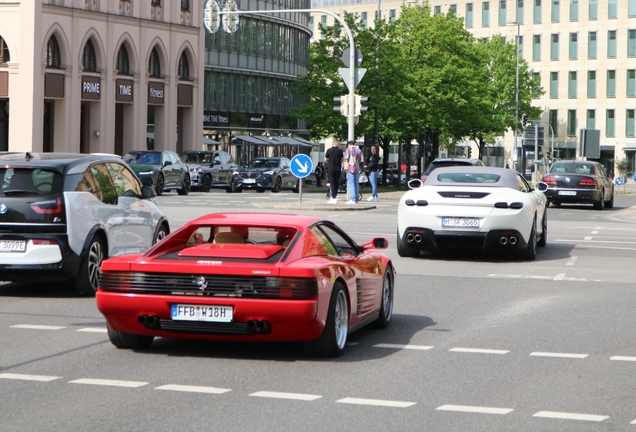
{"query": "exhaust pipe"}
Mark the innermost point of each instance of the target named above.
(142, 319)
(503, 240)
(258, 326)
(417, 238)
(410, 237)
(148, 321)
(513, 240)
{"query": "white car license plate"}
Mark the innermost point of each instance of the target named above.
(249, 180)
(12, 246)
(567, 193)
(456, 222)
(210, 313)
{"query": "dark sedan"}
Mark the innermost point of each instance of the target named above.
(163, 170)
(273, 173)
(579, 182)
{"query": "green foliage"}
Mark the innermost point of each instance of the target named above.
(622, 166)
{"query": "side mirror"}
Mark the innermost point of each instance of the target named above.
(415, 184)
(148, 192)
(376, 243)
(216, 162)
(166, 163)
(541, 187)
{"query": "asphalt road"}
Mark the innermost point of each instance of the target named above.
(477, 343)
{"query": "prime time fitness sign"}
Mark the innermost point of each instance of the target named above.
(91, 88)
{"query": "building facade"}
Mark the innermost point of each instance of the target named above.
(94, 75)
(584, 52)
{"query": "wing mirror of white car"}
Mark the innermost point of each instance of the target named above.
(541, 187)
(415, 184)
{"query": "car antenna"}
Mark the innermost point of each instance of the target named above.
(29, 155)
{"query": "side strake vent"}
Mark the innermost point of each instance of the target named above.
(468, 195)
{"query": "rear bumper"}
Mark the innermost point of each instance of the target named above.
(582, 196)
(425, 238)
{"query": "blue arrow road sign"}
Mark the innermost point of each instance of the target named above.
(301, 166)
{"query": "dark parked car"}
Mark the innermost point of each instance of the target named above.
(163, 170)
(579, 182)
(209, 169)
(62, 214)
(449, 162)
(273, 173)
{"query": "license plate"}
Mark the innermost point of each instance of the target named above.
(567, 193)
(12, 246)
(209, 313)
(249, 180)
(454, 222)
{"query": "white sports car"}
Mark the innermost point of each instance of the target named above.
(466, 206)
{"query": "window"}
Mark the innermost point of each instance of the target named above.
(631, 43)
(553, 119)
(437, 10)
(53, 56)
(611, 83)
(574, 46)
(556, 11)
(536, 12)
(631, 8)
(154, 66)
(590, 121)
(485, 14)
(392, 15)
(591, 45)
(469, 15)
(185, 5)
(323, 20)
(631, 83)
(156, 2)
(609, 123)
(453, 8)
(593, 10)
(520, 46)
(571, 122)
(519, 17)
(89, 62)
(611, 44)
(4, 51)
(502, 13)
(574, 10)
(591, 84)
(122, 65)
(310, 24)
(536, 47)
(572, 85)
(184, 68)
(554, 85)
(611, 9)
(364, 18)
(629, 123)
(554, 47)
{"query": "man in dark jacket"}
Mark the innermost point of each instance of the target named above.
(333, 160)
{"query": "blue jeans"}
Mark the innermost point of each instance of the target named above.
(353, 185)
(373, 179)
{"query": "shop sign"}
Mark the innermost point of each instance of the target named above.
(54, 86)
(124, 90)
(214, 119)
(4, 84)
(91, 88)
(155, 93)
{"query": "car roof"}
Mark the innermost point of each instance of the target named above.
(467, 161)
(508, 177)
(258, 219)
(60, 162)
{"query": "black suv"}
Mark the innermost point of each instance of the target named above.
(62, 214)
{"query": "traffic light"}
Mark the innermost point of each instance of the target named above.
(343, 105)
(359, 108)
(470, 152)
(524, 119)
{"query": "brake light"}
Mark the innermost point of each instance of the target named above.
(48, 207)
(42, 242)
(587, 182)
(549, 180)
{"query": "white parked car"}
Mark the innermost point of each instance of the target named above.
(467, 206)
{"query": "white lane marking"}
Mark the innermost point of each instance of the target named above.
(474, 409)
(37, 327)
(588, 238)
(398, 346)
(594, 232)
(593, 241)
(571, 261)
(28, 377)
(557, 277)
(570, 416)
(623, 358)
(633, 422)
(92, 330)
(559, 355)
(292, 396)
(193, 389)
(478, 351)
(376, 402)
(105, 382)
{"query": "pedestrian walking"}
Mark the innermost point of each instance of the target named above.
(352, 159)
(318, 173)
(373, 165)
(333, 160)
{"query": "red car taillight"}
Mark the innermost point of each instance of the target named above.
(292, 288)
(48, 207)
(38, 242)
(587, 182)
(549, 181)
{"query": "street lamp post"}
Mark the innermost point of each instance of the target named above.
(518, 24)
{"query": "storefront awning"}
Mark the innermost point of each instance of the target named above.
(210, 141)
(304, 141)
(251, 139)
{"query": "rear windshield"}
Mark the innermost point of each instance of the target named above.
(143, 158)
(468, 178)
(242, 235)
(28, 181)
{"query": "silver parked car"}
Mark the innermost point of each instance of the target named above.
(209, 169)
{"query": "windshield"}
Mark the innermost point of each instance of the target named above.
(263, 163)
(143, 158)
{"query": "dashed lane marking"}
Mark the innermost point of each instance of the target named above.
(376, 402)
(193, 389)
(280, 395)
(92, 330)
(588, 238)
(570, 416)
(474, 409)
(559, 355)
(105, 382)
(478, 351)
(623, 358)
(406, 347)
(557, 277)
(28, 377)
(37, 327)
(571, 261)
